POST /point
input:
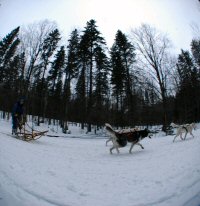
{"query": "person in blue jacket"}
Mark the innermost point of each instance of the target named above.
(17, 115)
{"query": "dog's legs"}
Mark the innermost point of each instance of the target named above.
(181, 136)
(111, 149)
(117, 150)
(140, 145)
(133, 143)
(192, 134)
(178, 132)
(175, 137)
(185, 135)
(131, 147)
(108, 141)
(114, 147)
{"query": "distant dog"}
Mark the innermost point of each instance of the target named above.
(186, 128)
(121, 139)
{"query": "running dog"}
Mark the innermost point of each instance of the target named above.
(121, 131)
(183, 129)
(121, 139)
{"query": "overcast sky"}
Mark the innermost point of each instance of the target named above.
(173, 17)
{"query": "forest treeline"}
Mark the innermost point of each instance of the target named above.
(138, 81)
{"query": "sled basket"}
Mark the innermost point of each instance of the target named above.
(28, 136)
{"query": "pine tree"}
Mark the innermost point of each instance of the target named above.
(21, 78)
(117, 75)
(8, 48)
(195, 48)
(81, 82)
(55, 83)
(101, 85)
(81, 97)
(187, 100)
(9, 69)
(127, 52)
(92, 39)
(71, 72)
(49, 47)
(118, 81)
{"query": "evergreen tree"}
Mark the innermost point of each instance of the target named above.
(72, 58)
(92, 39)
(55, 82)
(81, 98)
(127, 52)
(101, 85)
(49, 47)
(117, 75)
(21, 79)
(81, 83)
(118, 82)
(195, 48)
(71, 72)
(8, 47)
(187, 100)
(122, 59)
(9, 69)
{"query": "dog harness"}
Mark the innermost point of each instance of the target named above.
(185, 128)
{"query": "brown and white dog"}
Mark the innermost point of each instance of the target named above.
(121, 139)
(121, 131)
(181, 129)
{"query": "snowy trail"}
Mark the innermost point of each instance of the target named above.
(81, 172)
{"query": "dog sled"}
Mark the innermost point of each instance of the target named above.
(28, 135)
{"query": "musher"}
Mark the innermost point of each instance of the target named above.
(17, 115)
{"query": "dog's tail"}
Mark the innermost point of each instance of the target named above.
(109, 128)
(118, 139)
(112, 133)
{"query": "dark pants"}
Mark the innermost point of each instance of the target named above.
(15, 122)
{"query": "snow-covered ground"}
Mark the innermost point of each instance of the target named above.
(67, 171)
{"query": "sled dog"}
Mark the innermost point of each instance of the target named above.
(121, 131)
(121, 139)
(186, 128)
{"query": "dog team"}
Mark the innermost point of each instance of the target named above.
(134, 136)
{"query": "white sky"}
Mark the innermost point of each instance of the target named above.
(173, 17)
